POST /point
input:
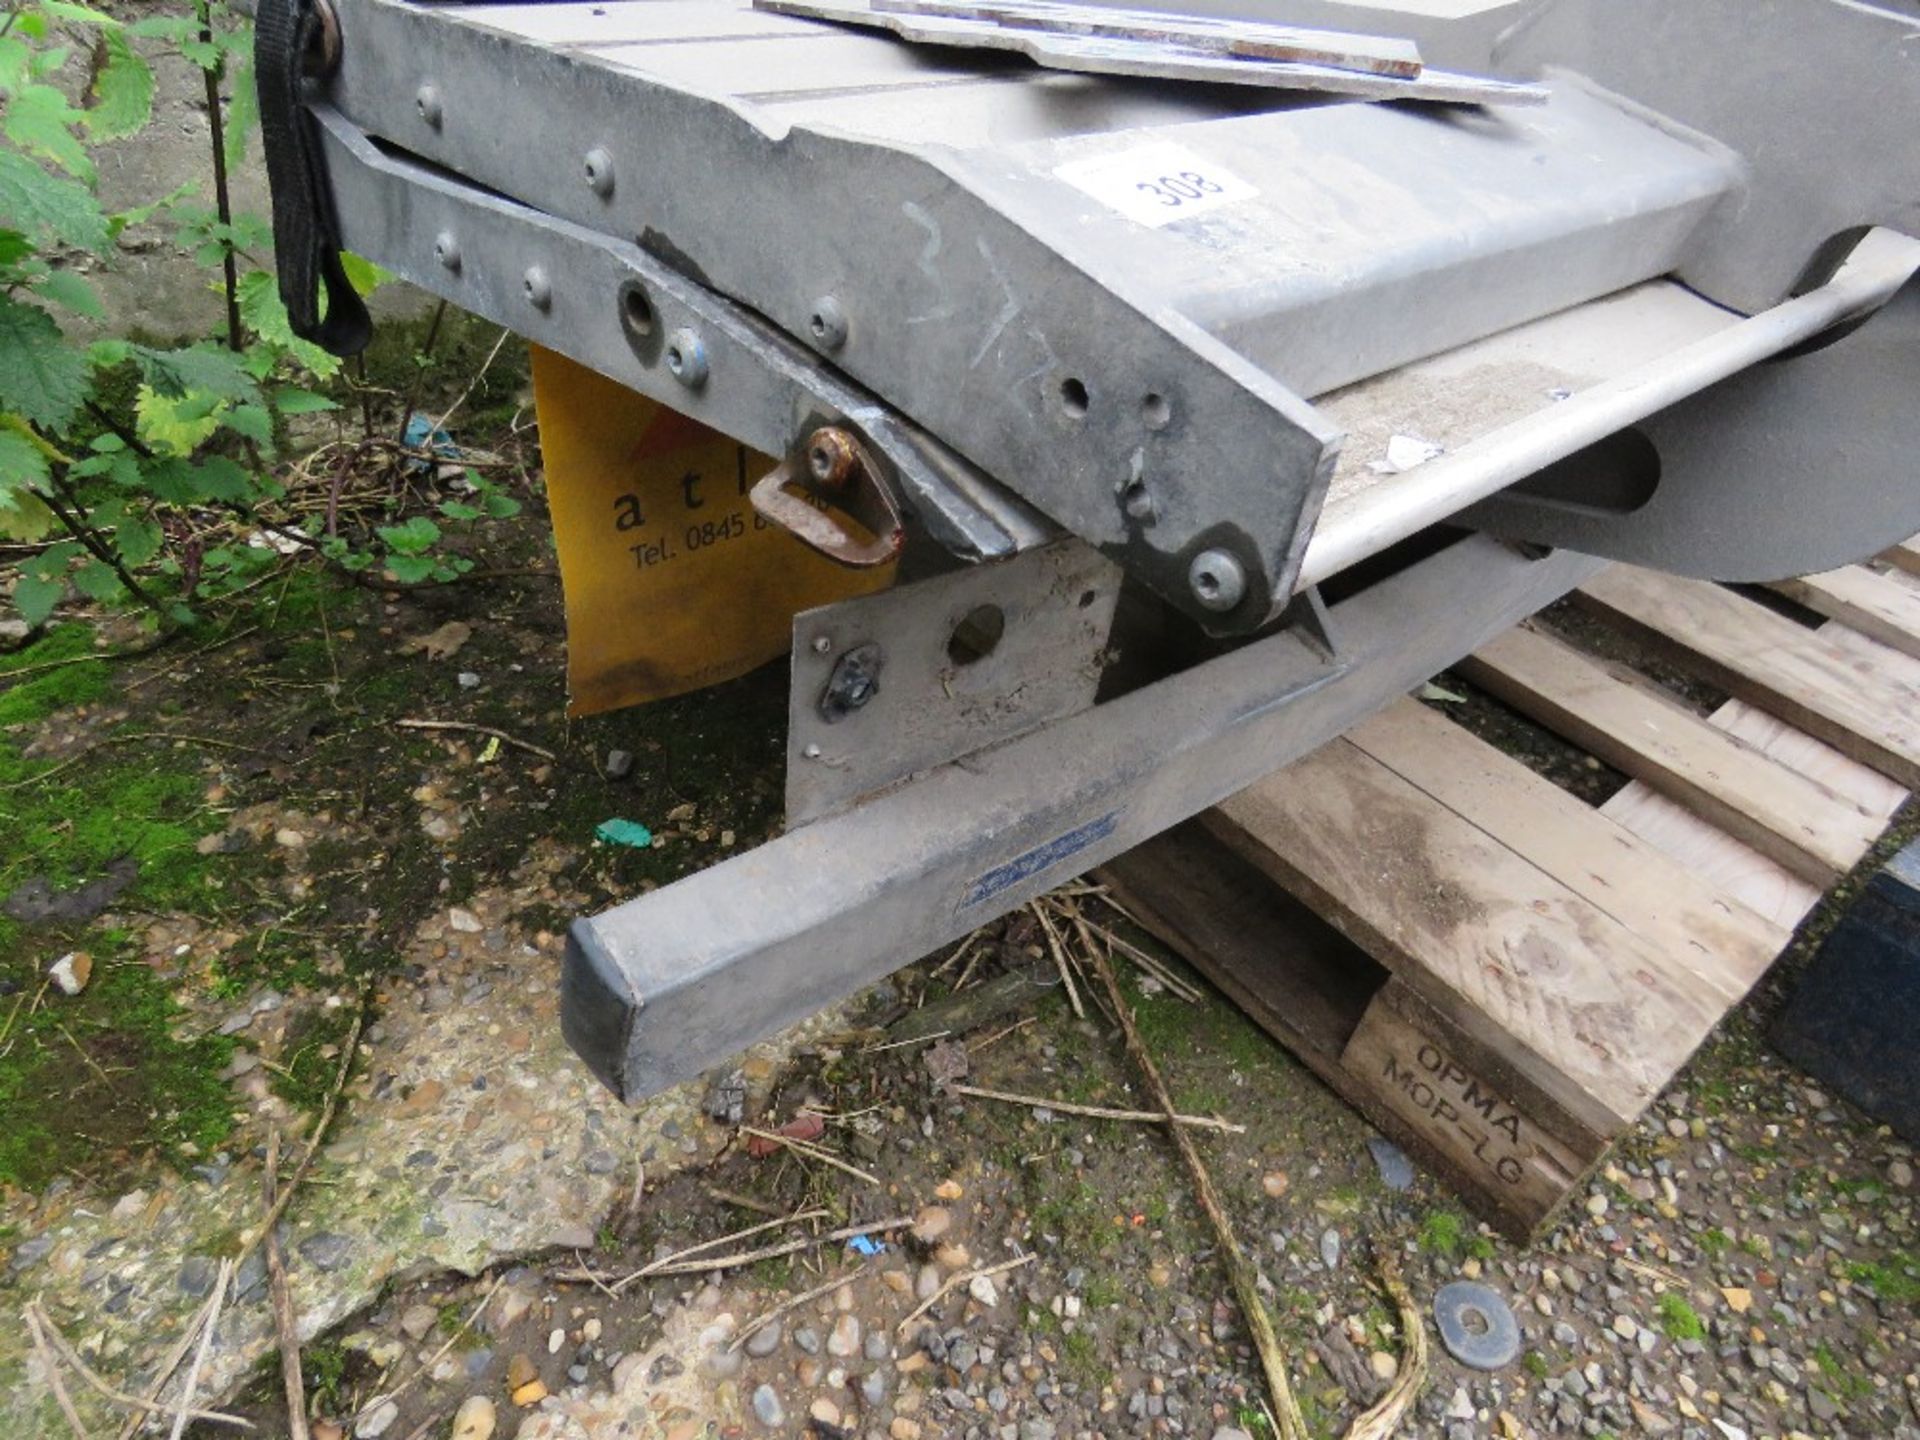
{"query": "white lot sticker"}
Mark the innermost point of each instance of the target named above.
(1156, 184)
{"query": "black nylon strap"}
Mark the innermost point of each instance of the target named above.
(306, 233)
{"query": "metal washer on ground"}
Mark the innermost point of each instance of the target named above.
(1492, 1344)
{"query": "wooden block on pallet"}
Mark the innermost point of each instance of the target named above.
(1905, 556)
(1865, 702)
(1877, 606)
(1791, 818)
(1456, 1104)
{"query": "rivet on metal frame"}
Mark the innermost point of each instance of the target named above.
(538, 289)
(854, 682)
(599, 168)
(828, 323)
(446, 249)
(426, 101)
(687, 358)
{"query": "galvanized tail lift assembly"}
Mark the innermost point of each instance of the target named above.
(1216, 375)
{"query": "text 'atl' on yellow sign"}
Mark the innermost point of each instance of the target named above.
(673, 582)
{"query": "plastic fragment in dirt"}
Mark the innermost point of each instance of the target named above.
(630, 833)
(866, 1245)
(803, 1127)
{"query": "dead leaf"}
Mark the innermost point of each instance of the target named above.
(440, 644)
(804, 1126)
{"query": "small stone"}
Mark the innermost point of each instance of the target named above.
(808, 1339)
(1900, 1173)
(1275, 1183)
(1330, 1249)
(876, 1346)
(1625, 1327)
(952, 1257)
(931, 1223)
(1385, 1365)
(555, 1339)
(465, 921)
(768, 1409)
(293, 840)
(71, 972)
(521, 1372)
(1596, 1205)
(1231, 1432)
(1396, 1171)
(844, 1342)
(949, 1190)
(925, 1284)
(904, 1429)
(325, 1251)
(825, 1411)
(764, 1341)
(377, 1421)
(474, 1420)
(1739, 1299)
(468, 680)
(418, 1320)
(532, 1393)
(619, 764)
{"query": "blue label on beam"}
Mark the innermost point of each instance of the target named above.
(1023, 867)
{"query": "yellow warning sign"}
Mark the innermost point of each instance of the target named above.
(672, 580)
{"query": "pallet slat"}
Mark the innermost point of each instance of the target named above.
(1793, 820)
(1722, 943)
(1599, 1017)
(1865, 706)
(1876, 606)
(1905, 556)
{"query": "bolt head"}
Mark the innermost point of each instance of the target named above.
(538, 288)
(822, 645)
(686, 355)
(828, 323)
(426, 101)
(446, 249)
(1217, 579)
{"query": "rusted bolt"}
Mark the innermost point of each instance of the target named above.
(832, 456)
(323, 53)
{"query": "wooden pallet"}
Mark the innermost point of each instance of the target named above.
(1500, 976)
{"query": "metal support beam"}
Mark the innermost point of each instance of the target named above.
(656, 989)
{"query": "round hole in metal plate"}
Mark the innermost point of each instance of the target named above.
(977, 635)
(1073, 396)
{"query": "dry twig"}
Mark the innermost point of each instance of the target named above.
(184, 1410)
(811, 1152)
(284, 1321)
(736, 1259)
(463, 727)
(1100, 1112)
(434, 1359)
(106, 1391)
(656, 1267)
(54, 1382)
(792, 1303)
(1059, 951)
(956, 1280)
(1384, 1418)
(1246, 1287)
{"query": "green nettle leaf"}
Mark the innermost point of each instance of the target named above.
(243, 114)
(97, 581)
(458, 510)
(289, 400)
(137, 540)
(224, 479)
(49, 206)
(416, 537)
(39, 120)
(14, 55)
(35, 598)
(24, 516)
(23, 466)
(266, 316)
(42, 377)
(176, 425)
(501, 507)
(122, 90)
(252, 421)
(410, 569)
(207, 368)
(363, 274)
(63, 287)
(77, 14)
(14, 248)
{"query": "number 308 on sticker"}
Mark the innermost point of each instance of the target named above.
(1156, 184)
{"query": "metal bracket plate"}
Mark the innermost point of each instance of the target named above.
(965, 660)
